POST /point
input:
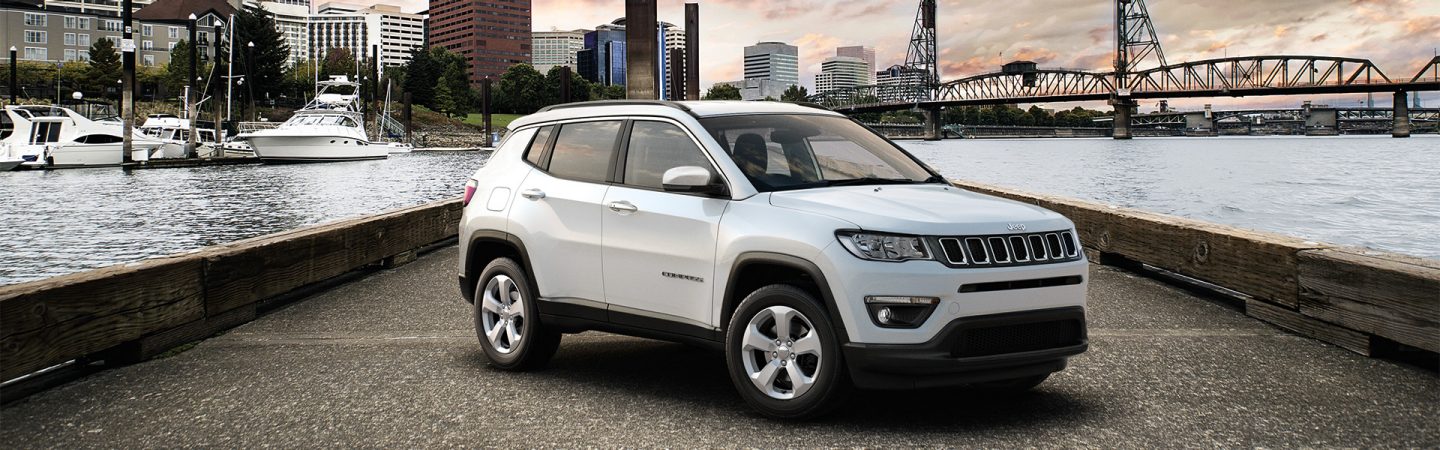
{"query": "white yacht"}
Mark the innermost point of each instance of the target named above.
(330, 128)
(58, 137)
(175, 132)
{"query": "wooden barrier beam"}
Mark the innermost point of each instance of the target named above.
(132, 311)
(1392, 296)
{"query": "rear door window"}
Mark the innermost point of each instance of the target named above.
(583, 150)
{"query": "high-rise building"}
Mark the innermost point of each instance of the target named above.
(491, 34)
(775, 61)
(864, 53)
(352, 27)
(603, 58)
(292, 18)
(899, 82)
(550, 49)
(841, 72)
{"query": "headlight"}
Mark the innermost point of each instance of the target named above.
(884, 247)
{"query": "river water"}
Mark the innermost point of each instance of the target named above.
(1369, 191)
(64, 221)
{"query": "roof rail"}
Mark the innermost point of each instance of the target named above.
(813, 105)
(616, 103)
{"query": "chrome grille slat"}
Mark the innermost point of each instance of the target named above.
(1010, 249)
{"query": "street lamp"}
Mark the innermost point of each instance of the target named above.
(219, 126)
(249, 74)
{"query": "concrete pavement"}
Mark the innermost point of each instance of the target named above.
(390, 360)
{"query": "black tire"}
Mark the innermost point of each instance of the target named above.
(831, 384)
(1011, 386)
(536, 344)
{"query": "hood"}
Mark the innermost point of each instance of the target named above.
(929, 209)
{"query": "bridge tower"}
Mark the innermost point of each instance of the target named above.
(1135, 43)
(921, 57)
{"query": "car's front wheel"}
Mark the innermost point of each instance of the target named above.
(783, 354)
(507, 319)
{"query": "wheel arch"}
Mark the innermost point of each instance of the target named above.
(489, 245)
(753, 270)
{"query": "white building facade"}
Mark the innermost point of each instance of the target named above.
(841, 72)
(775, 61)
(549, 49)
(312, 35)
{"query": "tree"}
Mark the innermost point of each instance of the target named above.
(266, 71)
(421, 73)
(521, 90)
(722, 92)
(1039, 116)
(453, 92)
(603, 92)
(338, 61)
(579, 87)
(300, 79)
(104, 70)
(795, 93)
(177, 73)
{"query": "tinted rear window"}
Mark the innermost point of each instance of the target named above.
(537, 146)
(583, 150)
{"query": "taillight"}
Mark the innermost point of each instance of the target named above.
(469, 191)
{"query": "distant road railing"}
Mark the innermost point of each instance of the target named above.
(130, 312)
(1353, 298)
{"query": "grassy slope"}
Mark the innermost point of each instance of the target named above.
(497, 121)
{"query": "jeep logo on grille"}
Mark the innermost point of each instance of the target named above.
(1015, 227)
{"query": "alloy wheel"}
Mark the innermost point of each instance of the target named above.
(781, 352)
(503, 314)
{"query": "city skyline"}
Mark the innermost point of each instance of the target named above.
(976, 37)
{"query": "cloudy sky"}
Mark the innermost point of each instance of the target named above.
(977, 36)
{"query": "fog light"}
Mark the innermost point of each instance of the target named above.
(884, 316)
(900, 311)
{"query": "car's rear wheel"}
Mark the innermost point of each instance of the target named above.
(507, 319)
(783, 354)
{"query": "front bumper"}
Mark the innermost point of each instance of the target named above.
(972, 350)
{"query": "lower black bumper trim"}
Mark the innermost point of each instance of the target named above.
(934, 364)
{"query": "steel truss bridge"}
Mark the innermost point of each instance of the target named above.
(1378, 115)
(1137, 45)
(1226, 77)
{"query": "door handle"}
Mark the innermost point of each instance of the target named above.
(533, 194)
(623, 207)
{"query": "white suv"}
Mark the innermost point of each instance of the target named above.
(817, 254)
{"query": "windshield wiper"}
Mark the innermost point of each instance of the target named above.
(872, 180)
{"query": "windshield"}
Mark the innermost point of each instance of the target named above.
(782, 152)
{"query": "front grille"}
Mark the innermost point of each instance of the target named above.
(1010, 249)
(1026, 337)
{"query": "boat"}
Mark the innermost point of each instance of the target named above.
(52, 137)
(175, 133)
(381, 122)
(236, 147)
(330, 128)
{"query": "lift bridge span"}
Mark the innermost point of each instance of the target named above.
(1137, 45)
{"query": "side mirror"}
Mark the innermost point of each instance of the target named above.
(692, 179)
